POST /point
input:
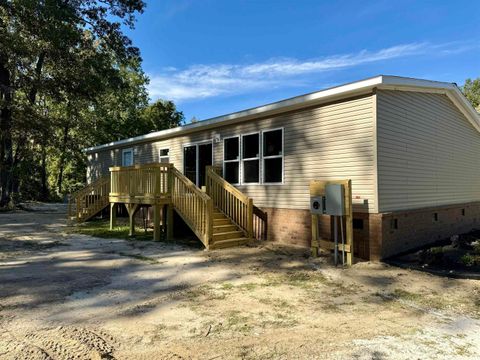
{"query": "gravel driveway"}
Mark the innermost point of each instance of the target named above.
(65, 296)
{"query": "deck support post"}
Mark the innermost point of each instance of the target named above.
(170, 221)
(113, 215)
(132, 209)
(250, 218)
(156, 222)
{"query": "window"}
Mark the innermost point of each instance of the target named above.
(164, 155)
(273, 156)
(251, 158)
(254, 158)
(231, 159)
(463, 212)
(127, 157)
(435, 216)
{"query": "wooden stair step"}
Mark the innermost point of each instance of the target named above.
(224, 228)
(223, 244)
(219, 215)
(227, 235)
(218, 222)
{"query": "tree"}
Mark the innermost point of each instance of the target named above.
(162, 114)
(471, 89)
(112, 115)
(55, 52)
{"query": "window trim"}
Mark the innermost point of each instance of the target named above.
(123, 156)
(160, 157)
(238, 160)
(259, 158)
(282, 156)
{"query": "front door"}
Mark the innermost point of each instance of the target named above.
(195, 160)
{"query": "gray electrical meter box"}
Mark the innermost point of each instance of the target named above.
(317, 205)
(335, 200)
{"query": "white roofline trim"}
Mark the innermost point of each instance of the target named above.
(335, 93)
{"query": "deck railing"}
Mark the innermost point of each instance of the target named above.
(193, 205)
(260, 224)
(231, 201)
(89, 200)
(163, 184)
(144, 181)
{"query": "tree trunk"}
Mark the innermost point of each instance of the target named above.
(43, 174)
(32, 95)
(6, 146)
(61, 164)
(21, 147)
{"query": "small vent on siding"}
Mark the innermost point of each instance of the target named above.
(393, 224)
(358, 224)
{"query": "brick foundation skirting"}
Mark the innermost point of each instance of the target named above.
(375, 236)
(379, 236)
(417, 228)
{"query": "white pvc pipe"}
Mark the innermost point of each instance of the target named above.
(335, 236)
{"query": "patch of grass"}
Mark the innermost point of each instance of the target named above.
(330, 307)
(265, 301)
(197, 292)
(237, 322)
(35, 245)
(281, 304)
(300, 279)
(477, 303)
(272, 353)
(462, 350)
(340, 290)
(200, 296)
(138, 257)
(101, 229)
(248, 286)
(276, 303)
(277, 319)
(427, 301)
(227, 286)
(406, 295)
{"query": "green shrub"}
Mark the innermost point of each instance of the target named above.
(468, 260)
(476, 247)
(437, 250)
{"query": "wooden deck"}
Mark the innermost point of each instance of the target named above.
(220, 217)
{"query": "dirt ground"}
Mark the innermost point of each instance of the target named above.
(71, 296)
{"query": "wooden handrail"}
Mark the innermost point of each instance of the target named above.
(229, 187)
(149, 180)
(89, 200)
(193, 205)
(232, 202)
(148, 165)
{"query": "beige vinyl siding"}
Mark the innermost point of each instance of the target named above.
(428, 152)
(333, 141)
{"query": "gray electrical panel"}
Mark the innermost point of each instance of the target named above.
(334, 200)
(317, 205)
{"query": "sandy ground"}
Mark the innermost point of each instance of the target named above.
(70, 296)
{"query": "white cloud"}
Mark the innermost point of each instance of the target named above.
(203, 81)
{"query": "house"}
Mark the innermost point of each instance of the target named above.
(410, 147)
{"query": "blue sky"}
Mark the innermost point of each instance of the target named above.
(214, 57)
